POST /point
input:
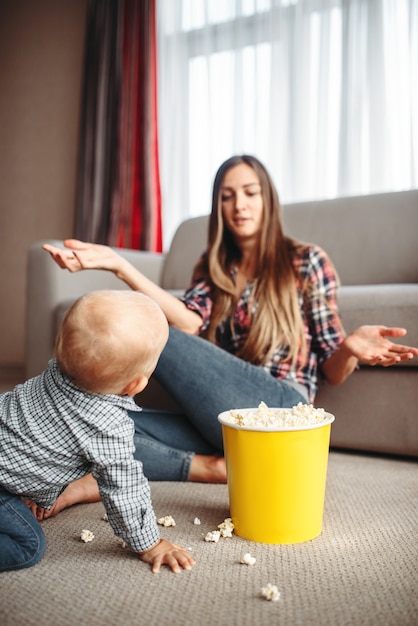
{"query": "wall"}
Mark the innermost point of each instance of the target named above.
(41, 59)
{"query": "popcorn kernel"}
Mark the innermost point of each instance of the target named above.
(86, 535)
(270, 592)
(167, 520)
(213, 536)
(247, 559)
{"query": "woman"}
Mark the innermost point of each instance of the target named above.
(259, 323)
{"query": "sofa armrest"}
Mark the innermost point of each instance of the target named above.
(48, 287)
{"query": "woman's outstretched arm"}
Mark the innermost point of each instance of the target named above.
(79, 255)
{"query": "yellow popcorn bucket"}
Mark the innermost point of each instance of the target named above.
(276, 479)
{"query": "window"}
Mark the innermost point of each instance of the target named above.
(320, 90)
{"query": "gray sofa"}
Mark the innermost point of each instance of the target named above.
(372, 242)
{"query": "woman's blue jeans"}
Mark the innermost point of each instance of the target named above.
(204, 380)
(22, 541)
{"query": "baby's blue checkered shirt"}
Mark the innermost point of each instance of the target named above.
(52, 433)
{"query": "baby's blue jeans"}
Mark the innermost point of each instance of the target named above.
(204, 380)
(22, 541)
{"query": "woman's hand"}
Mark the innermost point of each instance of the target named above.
(371, 345)
(79, 255)
(166, 553)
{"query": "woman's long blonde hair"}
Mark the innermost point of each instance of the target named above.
(277, 320)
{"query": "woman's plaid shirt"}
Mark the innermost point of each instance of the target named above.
(318, 304)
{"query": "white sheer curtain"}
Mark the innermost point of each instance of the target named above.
(322, 91)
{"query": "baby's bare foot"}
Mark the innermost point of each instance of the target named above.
(80, 491)
(208, 469)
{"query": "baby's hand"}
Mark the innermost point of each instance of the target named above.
(166, 553)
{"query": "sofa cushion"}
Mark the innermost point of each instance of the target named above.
(370, 239)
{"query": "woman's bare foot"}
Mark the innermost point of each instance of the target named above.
(82, 490)
(207, 469)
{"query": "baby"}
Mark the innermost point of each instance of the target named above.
(72, 421)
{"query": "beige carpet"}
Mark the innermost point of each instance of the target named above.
(361, 570)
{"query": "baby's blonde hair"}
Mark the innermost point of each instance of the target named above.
(109, 339)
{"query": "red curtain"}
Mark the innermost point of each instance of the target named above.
(119, 197)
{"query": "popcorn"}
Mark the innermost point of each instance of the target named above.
(270, 592)
(264, 417)
(105, 518)
(196, 521)
(86, 535)
(227, 527)
(247, 559)
(213, 535)
(166, 521)
(225, 530)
